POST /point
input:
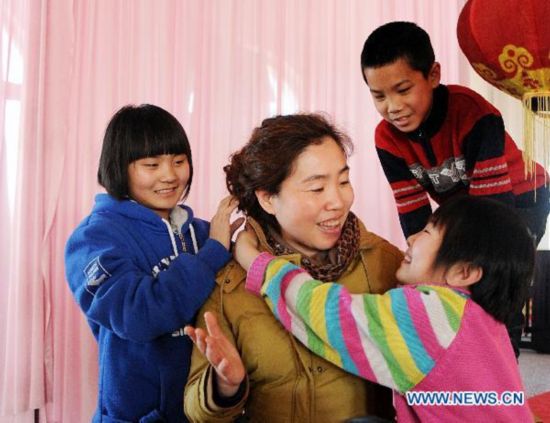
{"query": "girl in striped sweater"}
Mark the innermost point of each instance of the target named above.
(439, 341)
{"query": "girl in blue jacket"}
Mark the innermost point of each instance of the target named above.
(141, 265)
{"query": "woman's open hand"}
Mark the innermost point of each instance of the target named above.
(222, 355)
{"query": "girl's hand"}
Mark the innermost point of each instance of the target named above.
(220, 227)
(246, 248)
(222, 355)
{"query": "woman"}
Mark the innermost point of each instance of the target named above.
(292, 182)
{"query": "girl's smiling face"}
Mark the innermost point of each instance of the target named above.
(418, 264)
(158, 182)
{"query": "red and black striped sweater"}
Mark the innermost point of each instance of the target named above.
(462, 147)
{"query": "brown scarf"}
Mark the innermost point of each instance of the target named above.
(337, 258)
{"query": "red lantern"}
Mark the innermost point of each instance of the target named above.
(508, 44)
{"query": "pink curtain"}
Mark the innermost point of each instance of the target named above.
(220, 67)
(23, 213)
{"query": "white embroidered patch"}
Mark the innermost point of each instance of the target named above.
(95, 273)
(178, 333)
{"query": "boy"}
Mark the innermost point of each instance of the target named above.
(441, 140)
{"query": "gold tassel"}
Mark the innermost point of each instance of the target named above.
(536, 131)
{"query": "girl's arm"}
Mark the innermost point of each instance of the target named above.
(106, 270)
(115, 292)
(392, 339)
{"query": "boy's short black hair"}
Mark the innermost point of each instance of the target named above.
(398, 40)
(492, 236)
(135, 132)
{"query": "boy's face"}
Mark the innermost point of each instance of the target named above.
(402, 95)
(418, 264)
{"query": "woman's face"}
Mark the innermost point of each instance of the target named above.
(314, 201)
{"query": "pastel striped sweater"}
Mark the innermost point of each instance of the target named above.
(414, 338)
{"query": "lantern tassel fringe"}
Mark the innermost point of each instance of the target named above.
(536, 130)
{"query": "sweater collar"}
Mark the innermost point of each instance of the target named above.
(437, 115)
(463, 292)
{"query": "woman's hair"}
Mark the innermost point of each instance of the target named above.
(135, 132)
(492, 236)
(269, 156)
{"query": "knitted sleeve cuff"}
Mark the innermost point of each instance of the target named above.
(256, 273)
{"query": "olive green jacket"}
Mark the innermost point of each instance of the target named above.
(286, 382)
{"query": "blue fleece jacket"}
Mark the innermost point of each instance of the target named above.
(139, 279)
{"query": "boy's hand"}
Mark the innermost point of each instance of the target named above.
(222, 355)
(246, 247)
(220, 227)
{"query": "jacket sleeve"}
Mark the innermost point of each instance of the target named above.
(393, 339)
(381, 260)
(411, 199)
(199, 404)
(485, 153)
(115, 292)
